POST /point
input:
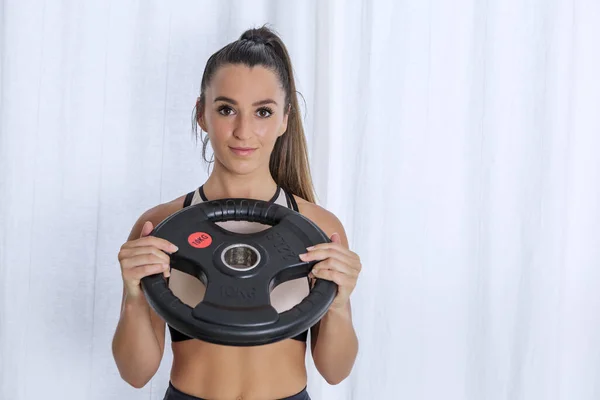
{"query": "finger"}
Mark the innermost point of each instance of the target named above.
(336, 265)
(146, 270)
(142, 259)
(339, 278)
(136, 251)
(333, 246)
(146, 229)
(322, 254)
(161, 243)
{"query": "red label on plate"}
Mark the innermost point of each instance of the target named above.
(200, 240)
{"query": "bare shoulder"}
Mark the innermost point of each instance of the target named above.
(323, 218)
(156, 215)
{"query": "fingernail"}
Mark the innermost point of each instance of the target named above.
(302, 256)
(175, 248)
(165, 267)
(310, 248)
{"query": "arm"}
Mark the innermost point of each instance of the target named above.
(138, 343)
(334, 343)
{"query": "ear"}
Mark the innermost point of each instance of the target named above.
(200, 115)
(284, 123)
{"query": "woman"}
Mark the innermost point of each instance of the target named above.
(249, 110)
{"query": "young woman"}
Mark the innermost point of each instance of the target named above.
(249, 110)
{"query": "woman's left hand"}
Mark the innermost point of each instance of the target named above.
(337, 264)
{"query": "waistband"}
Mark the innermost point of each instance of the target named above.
(175, 394)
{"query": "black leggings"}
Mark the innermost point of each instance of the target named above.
(175, 394)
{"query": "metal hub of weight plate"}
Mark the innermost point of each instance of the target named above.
(239, 271)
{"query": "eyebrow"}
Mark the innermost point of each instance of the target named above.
(258, 103)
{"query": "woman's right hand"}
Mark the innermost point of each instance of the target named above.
(143, 257)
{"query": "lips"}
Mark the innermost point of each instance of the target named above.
(242, 151)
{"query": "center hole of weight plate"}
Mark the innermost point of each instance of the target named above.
(240, 257)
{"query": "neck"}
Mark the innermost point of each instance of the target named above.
(222, 184)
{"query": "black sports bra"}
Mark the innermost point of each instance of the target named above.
(177, 336)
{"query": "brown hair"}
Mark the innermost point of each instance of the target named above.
(289, 159)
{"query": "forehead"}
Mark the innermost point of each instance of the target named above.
(241, 83)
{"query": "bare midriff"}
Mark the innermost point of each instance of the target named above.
(212, 371)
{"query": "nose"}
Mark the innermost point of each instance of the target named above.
(243, 128)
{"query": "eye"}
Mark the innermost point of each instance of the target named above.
(264, 112)
(225, 110)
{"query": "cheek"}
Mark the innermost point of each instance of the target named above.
(268, 130)
(263, 131)
(218, 127)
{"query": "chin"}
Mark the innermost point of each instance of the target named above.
(241, 168)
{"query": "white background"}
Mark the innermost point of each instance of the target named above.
(458, 142)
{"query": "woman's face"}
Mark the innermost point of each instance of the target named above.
(244, 114)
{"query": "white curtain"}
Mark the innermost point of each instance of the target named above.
(458, 142)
